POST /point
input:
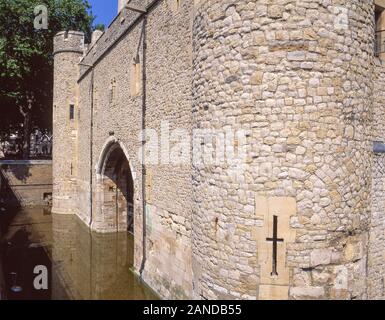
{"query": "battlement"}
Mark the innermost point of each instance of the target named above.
(69, 41)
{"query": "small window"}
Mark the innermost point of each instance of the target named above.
(136, 77)
(72, 112)
(379, 29)
(113, 91)
(47, 196)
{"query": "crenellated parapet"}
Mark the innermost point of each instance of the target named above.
(69, 41)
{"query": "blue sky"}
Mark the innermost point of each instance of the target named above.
(104, 10)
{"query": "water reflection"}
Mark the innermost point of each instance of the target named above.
(25, 244)
(82, 265)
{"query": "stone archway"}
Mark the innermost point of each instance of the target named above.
(116, 191)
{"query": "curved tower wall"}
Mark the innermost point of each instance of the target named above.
(68, 50)
(376, 249)
(296, 77)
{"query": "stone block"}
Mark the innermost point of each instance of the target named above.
(270, 292)
(320, 257)
(307, 293)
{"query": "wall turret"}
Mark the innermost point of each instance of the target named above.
(68, 50)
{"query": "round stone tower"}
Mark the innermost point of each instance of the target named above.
(295, 76)
(68, 50)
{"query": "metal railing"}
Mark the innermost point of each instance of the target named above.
(11, 147)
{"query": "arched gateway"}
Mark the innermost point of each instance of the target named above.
(115, 190)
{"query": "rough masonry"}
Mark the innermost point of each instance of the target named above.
(304, 218)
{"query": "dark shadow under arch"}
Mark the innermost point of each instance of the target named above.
(118, 188)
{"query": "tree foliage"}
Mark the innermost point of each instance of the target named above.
(26, 60)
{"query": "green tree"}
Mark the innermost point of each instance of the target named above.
(99, 26)
(26, 60)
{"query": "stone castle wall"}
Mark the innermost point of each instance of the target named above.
(299, 78)
(295, 79)
(376, 248)
(25, 183)
(168, 212)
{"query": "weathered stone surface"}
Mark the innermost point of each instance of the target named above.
(320, 257)
(307, 293)
(309, 98)
(31, 181)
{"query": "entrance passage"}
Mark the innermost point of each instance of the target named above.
(118, 189)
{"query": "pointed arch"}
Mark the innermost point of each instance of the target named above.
(115, 189)
(109, 146)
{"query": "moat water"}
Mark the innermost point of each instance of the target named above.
(80, 264)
